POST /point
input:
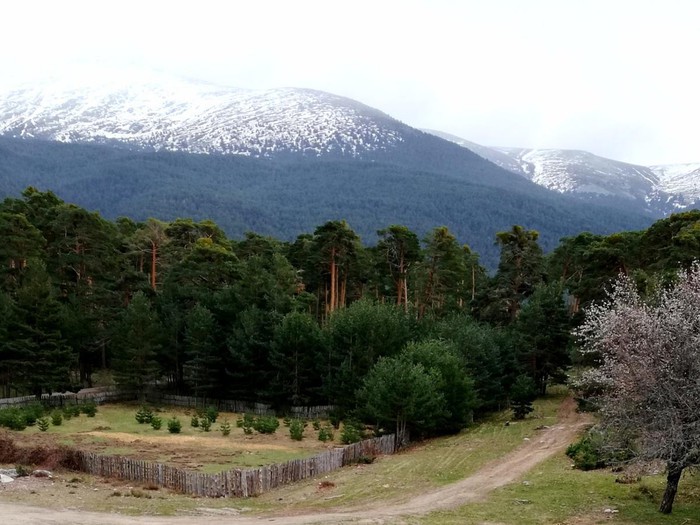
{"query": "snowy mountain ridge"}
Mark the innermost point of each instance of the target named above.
(176, 115)
(663, 189)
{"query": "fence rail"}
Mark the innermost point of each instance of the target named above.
(110, 395)
(234, 482)
(113, 395)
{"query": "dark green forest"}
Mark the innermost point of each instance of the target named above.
(423, 182)
(397, 329)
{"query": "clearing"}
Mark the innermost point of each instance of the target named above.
(114, 431)
(436, 490)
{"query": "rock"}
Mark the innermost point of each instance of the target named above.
(12, 472)
(5, 479)
(42, 474)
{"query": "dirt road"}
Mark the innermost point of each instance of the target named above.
(505, 470)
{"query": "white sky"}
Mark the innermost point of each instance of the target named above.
(618, 78)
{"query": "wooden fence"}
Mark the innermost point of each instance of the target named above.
(113, 395)
(107, 395)
(235, 482)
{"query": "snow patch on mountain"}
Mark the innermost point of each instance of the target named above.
(157, 113)
(660, 189)
(683, 179)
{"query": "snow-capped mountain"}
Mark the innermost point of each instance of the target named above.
(161, 113)
(683, 179)
(661, 189)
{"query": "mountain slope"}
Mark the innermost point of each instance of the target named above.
(165, 114)
(278, 162)
(659, 190)
(683, 179)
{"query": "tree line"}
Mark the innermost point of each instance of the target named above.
(324, 319)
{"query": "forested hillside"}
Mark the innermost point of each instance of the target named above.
(322, 319)
(423, 182)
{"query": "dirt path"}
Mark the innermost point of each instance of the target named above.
(503, 471)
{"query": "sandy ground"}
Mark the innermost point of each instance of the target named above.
(503, 471)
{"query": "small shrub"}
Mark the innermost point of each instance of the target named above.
(174, 426)
(211, 414)
(225, 427)
(70, 411)
(56, 418)
(156, 422)
(351, 433)
(334, 417)
(151, 486)
(266, 424)
(205, 424)
(194, 422)
(522, 394)
(316, 424)
(587, 453)
(248, 423)
(89, 409)
(32, 412)
(144, 415)
(296, 429)
(16, 421)
(22, 471)
(138, 493)
(42, 424)
(365, 460)
(287, 421)
(325, 434)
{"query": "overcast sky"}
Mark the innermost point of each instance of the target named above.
(618, 78)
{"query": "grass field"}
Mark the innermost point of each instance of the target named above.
(552, 493)
(115, 431)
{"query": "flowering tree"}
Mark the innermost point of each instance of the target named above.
(650, 372)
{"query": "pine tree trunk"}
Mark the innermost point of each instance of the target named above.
(334, 292)
(154, 250)
(674, 476)
(343, 290)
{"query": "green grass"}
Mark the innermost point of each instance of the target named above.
(424, 466)
(554, 493)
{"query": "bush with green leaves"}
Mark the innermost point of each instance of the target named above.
(156, 423)
(89, 409)
(225, 427)
(211, 413)
(351, 432)
(316, 424)
(247, 423)
(590, 452)
(325, 433)
(13, 418)
(266, 424)
(522, 394)
(70, 411)
(335, 417)
(174, 425)
(205, 424)
(32, 413)
(144, 415)
(194, 422)
(56, 418)
(296, 429)
(42, 424)
(586, 453)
